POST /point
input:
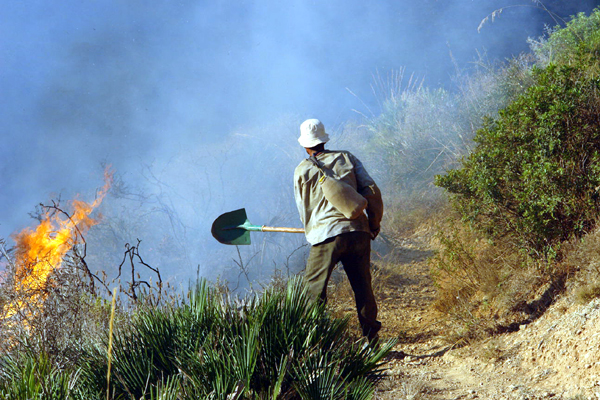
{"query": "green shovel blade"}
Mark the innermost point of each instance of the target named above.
(230, 228)
(234, 228)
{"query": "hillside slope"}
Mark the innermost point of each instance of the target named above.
(553, 357)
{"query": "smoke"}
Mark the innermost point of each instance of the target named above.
(196, 104)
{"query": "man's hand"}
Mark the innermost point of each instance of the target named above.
(374, 233)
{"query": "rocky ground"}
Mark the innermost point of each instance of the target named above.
(555, 357)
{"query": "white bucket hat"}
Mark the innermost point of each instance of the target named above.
(312, 133)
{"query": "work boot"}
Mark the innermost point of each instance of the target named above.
(373, 339)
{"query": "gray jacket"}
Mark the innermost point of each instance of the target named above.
(321, 220)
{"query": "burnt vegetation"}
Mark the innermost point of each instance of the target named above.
(506, 168)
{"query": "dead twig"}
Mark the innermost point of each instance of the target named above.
(132, 254)
(536, 4)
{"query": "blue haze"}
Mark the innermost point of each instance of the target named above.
(195, 104)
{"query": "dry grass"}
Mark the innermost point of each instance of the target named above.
(585, 294)
(492, 350)
(413, 213)
(487, 287)
(413, 389)
(583, 258)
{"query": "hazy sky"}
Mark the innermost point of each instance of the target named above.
(130, 82)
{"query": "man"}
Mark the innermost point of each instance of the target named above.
(335, 238)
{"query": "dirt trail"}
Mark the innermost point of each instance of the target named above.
(540, 361)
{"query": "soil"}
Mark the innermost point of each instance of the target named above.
(556, 356)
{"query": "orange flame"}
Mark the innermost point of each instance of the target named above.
(39, 252)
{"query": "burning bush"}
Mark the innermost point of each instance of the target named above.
(41, 251)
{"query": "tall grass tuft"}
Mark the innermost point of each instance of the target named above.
(34, 376)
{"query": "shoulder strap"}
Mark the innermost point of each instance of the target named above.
(316, 162)
(324, 170)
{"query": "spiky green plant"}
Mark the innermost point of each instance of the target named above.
(25, 376)
(170, 389)
(216, 347)
(319, 379)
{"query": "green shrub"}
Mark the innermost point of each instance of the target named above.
(535, 172)
(580, 37)
(530, 183)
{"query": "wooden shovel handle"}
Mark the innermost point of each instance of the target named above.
(281, 229)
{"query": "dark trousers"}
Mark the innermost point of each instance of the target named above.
(353, 250)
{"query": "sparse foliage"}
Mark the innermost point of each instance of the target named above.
(580, 38)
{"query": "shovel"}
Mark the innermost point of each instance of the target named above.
(234, 228)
